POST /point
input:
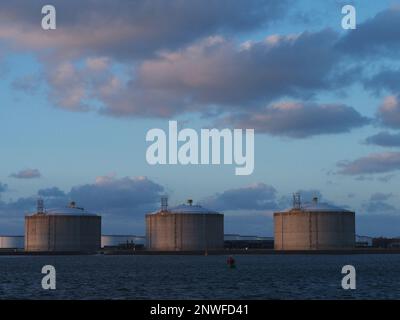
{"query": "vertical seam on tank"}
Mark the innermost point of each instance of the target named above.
(282, 221)
(316, 232)
(310, 229)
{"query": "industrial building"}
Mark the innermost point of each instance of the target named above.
(119, 241)
(11, 242)
(69, 229)
(363, 241)
(186, 227)
(314, 226)
(236, 241)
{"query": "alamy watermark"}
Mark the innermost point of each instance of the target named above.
(349, 20)
(49, 20)
(186, 147)
(349, 280)
(49, 280)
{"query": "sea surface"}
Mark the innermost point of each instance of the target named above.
(201, 277)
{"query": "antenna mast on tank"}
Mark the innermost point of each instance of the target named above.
(40, 206)
(164, 204)
(296, 201)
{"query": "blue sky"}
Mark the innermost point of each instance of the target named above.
(76, 103)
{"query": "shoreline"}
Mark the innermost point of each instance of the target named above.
(211, 252)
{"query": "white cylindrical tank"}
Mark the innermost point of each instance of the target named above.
(69, 229)
(314, 226)
(185, 228)
(11, 242)
(120, 240)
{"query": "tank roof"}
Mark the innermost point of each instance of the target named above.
(67, 211)
(318, 207)
(71, 210)
(188, 209)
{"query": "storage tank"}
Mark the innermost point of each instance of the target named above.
(121, 240)
(186, 227)
(69, 229)
(11, 242)
(314, 226)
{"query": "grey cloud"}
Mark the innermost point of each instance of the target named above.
(129, 29)
(373, 163)
(118, 194)
(380, 207)
(299, 120)
(364, 178)
(386, 178)
(27, 174)
(384, 139)
(51, 192)
(379, 196)
(3, 187)
(384, 79)
(254, 197)
(107, 194)
(377, 35)
(120, 201)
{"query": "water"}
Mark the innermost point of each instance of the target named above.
(200, 277)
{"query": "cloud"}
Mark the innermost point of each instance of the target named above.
(130, 29)
(373, 163)
(217, 71)
(384, 79)
(386, 178)
(69, 89)
(258, 196)
(3, 188)
(189, 61)
(51, 192)
(377, 35)
(27, 174)
(300, 120)
(364, 178)
(28, 84)
(389, 112)
(379, 196)
(110, 193)
(122, 202)
(384, 139)
(379, 207)
(211, 73)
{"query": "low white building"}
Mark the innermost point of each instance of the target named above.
(12, 242)
(363, 241)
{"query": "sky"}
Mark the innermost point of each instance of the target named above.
(76, 104)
